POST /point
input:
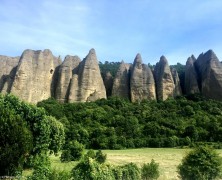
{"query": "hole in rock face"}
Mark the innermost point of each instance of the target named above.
(51, 71)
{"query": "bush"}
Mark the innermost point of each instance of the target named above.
(130, 171)
(201, 163)
(91, 154)
(90, 169)
(150, 171)
(42, 167)
(100, 157)
(16, 142)
(59, 175)
(74, 151)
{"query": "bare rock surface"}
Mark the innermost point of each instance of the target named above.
(176, 79)
(108, 82)
(142, 85)
(191, 77)
(8, 66)
(87, 83)
(210, 70)
(33, 80)
(65, 73)
(121, 83)
(164, 80)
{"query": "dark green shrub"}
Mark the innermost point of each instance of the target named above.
(130, 171)
(59, 175)
(42, 167)
(100, 157)
(66, 156)
(73, 152)
(90, 153)
(150, 171)
(16, 141)
(90, 169)
(201, 163)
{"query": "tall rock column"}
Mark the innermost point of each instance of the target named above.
(191, 83)
(142, 85)
(8, 66)
(65, 73)
(87, 84)
(164, 80)
(108, 82)
(176, 79)
(210, 70)
(34, 77)
(121, 83)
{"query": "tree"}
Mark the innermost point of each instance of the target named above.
(200, 164)
(73, 151)
(16, 142)
(25, 132)
(150, 171)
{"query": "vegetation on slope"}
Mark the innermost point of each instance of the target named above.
(117, 123)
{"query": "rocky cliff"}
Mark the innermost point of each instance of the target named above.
(176, 79)
(34, 75)
(38, 75)
(8, 69)
(121, 83)
(108, 82)
(65, 73)
(164, 81)
(191, 84)
(142, 85)
(87, 83)
(209, 71)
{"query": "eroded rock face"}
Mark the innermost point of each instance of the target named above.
(87, 83)
(164, 80)
(108, 82)
(191, 83)
(121, 83)
(210, 70)
(142, 85)
(33, 80)
(8, 66)
(176, 79)
(65, 73)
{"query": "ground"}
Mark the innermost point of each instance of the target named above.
(168, 159)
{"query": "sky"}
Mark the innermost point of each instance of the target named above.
(116, 29)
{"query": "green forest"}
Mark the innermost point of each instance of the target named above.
(29, 134)
(116, 123)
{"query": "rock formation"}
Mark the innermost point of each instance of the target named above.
(164, 80)
(142, 85)
(38, 75)
(176, 79)
(121, 83)
(7, 72)
(108, 82)
(191, 84)
(210, 75)
(65, 73)
(34, 75)
(87, 83)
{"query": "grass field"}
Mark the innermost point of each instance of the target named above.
(168, 159)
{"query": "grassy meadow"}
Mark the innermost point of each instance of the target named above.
(168, 159)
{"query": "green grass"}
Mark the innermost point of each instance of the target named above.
(168, 159)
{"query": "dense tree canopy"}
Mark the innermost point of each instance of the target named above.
(117, 123)
(25, 131)
(202, 163)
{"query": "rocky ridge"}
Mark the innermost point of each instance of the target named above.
(38, 75)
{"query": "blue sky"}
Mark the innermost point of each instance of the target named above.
(117, 29)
